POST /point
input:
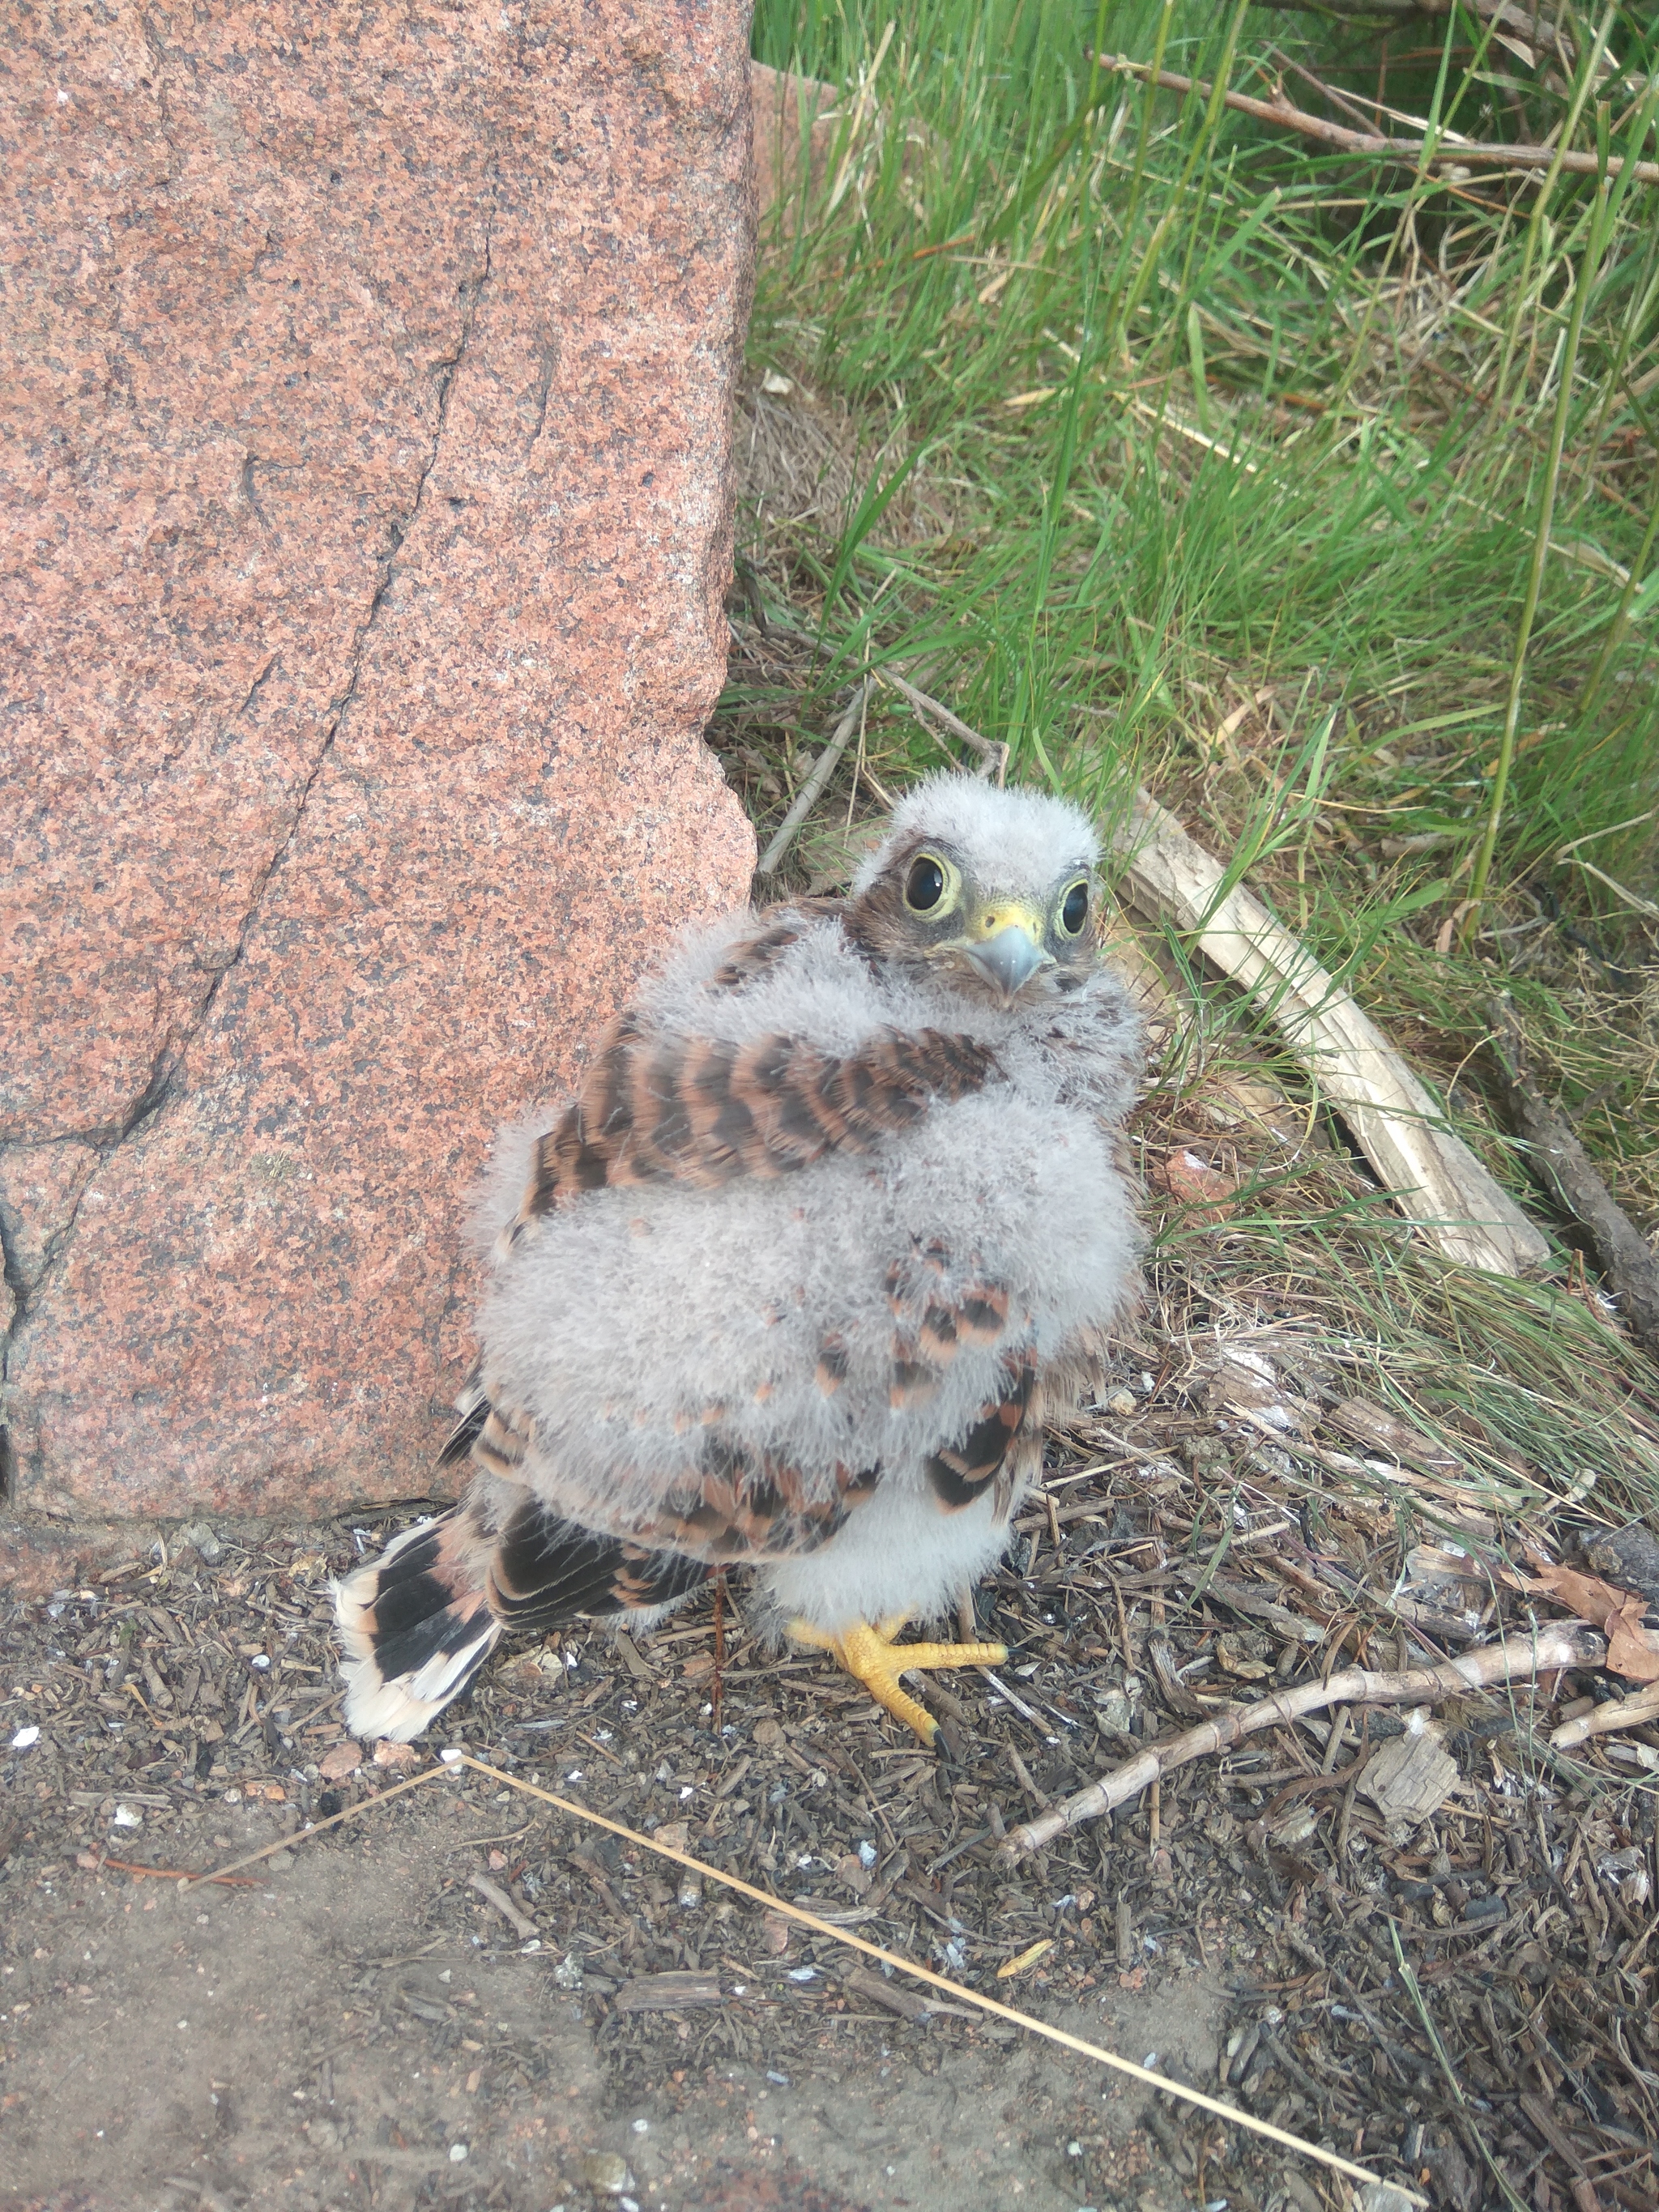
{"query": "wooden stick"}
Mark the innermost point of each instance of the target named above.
(1233, 2114)
(1640, 1706)
(1405, 153)
(494, 1894)
(1438, 1184)
(823, 768)
(1564, 1169)
(1564, 1644)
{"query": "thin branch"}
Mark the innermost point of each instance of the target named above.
(1568, 1643)
(992, 752)
(823, 768)
(1405, 153)
(1563, 1166)
(494, 1894)
(1633, 1711)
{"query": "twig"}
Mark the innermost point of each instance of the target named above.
(1405, 153)
(174, 1874)
(504, 1904)
(1570, 1643)
(1641, 1705)
(823, 768)
(992, 752)
(1232, 2113)
(1563, 1166)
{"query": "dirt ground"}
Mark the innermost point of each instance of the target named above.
(352, 2030)
(1461, 1996)
(350, 2023)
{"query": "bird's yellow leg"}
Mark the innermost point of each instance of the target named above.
(871, 1656)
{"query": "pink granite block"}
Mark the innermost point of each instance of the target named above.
(365, 451)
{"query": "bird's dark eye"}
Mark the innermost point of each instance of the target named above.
(924, 887)
(1074, 909)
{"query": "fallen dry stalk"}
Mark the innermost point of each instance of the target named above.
(1566, 1644)
(1566, 1171)
(958, 1991)
(822, 770)
(492, 1893)
(992, 753)
(449, 1760)
(1405, 153)
(304, 1835)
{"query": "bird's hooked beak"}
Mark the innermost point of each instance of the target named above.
(1004, 940)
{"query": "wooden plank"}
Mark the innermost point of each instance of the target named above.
(1438, 1183)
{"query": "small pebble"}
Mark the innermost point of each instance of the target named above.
(202, 1538)
(607, 2172)
(457, 2154)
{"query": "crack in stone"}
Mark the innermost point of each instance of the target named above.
(159, 1092)
(547, 360)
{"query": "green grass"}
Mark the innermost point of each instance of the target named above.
(1373, 358)
(1126, 411)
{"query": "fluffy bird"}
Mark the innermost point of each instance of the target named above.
(835, 1217)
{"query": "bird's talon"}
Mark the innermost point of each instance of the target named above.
(871, 1657)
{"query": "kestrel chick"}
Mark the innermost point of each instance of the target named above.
(833, 1220)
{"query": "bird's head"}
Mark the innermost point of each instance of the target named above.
(994, 891)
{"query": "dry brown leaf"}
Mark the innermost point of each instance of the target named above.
(1632, 1649)
(1192, 1180)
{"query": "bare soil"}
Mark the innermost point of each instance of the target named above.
(351, 2023)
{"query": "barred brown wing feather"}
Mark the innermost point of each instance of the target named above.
(707, 1112)
(547, 1571)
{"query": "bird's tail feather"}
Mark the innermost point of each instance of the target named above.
(416, 1625)
(418, 1622)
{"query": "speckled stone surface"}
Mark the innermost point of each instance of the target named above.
(365, 460)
